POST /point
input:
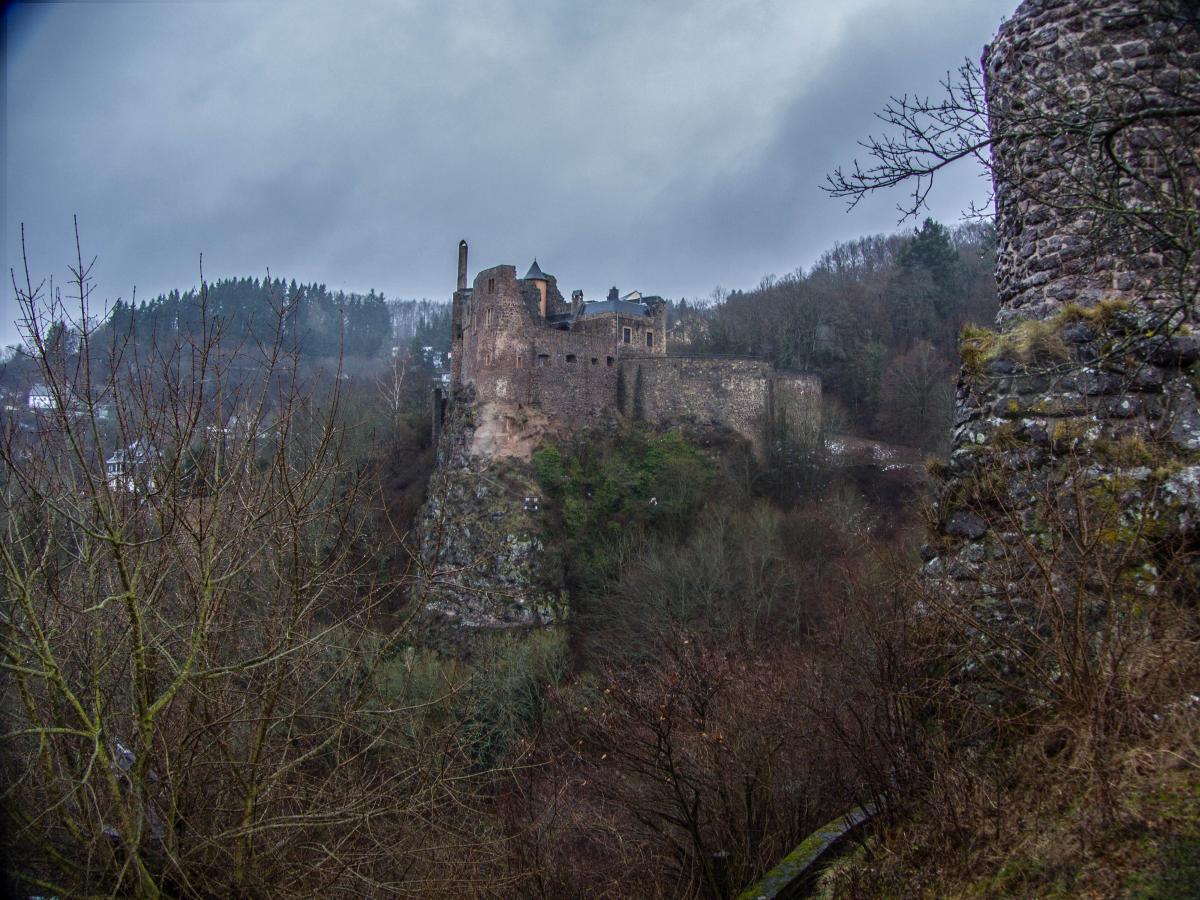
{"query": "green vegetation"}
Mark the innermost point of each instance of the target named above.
(609, 488)
(493, 701)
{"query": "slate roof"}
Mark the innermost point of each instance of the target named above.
(535, 273)
(623, 307)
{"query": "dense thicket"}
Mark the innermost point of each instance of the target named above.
(688, 735)
(199, 574)
(651, 747)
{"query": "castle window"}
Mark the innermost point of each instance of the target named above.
(491, 285)
(650, 339)
(627, 335)
(570, 357)
(520, 363)
(487, 317)
(543, 360)
(595, 361)
(608, 361)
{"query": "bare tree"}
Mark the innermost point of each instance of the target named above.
(923, 135)
(393, 383)
(190, 635)
(1107, 146)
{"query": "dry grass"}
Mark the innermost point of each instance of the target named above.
(1030, 342)
(1047, 838)
(1043, 727)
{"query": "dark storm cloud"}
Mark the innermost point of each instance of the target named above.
(669, 146)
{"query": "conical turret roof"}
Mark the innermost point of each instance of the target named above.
(535, 273)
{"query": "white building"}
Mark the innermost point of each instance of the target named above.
(40, 397)
(132, 468)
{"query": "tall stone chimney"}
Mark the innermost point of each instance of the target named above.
(462, 265)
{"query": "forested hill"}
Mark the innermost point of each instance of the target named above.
(877, 318)
(425, 323)
(316, 320)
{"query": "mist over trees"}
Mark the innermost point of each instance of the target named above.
(425, 323)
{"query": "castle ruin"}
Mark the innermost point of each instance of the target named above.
(533, 365)
(530, 368)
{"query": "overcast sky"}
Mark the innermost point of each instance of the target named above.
(659, 145)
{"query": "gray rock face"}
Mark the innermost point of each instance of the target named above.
(482, 556)
(1183, 490)
(965, 525)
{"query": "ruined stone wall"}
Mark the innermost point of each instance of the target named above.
(796, 407)
(738, 393)
(613, 327)
(497, 339)
(533, 378)
(1078, 157)
(575, 377)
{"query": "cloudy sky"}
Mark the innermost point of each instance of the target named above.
(663, 145)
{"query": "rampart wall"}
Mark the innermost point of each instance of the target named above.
(574, 376)
(746, 395)
(796, 407)
(531, 377)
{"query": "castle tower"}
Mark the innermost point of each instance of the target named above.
(457, 313)
(1097, 181)
(538, 277)
(1081, 155)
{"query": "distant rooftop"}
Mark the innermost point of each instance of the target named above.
(535, 272)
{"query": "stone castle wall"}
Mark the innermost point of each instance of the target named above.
(746, 395)
(575, 376)
(796, 407)
(1067, 82)
(515, 360)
